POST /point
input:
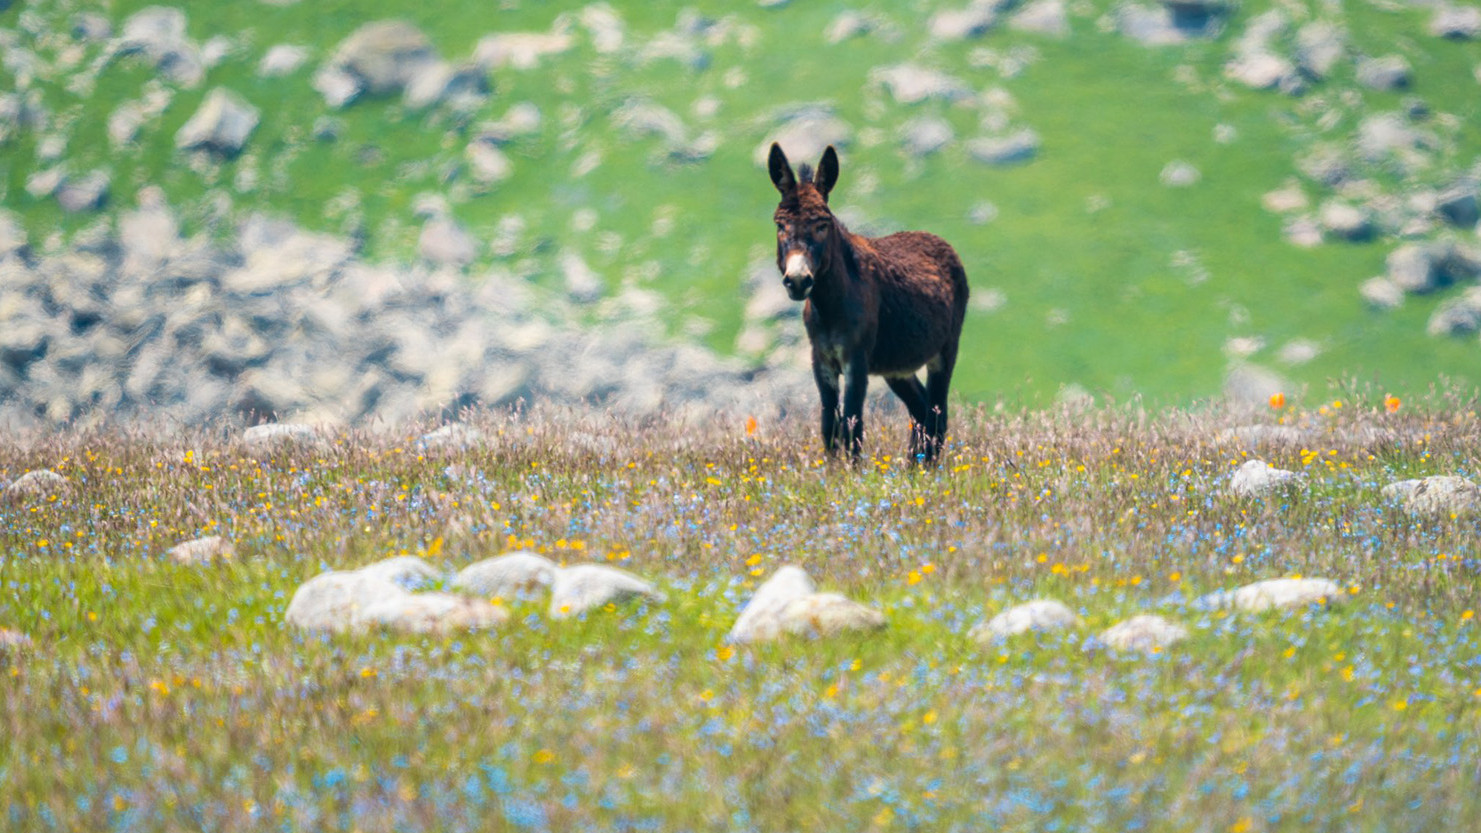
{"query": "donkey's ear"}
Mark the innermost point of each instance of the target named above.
(827, 172)
(781, 170)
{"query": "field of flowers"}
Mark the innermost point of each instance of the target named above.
(148, 695)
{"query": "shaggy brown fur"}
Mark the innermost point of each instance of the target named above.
(885, 306)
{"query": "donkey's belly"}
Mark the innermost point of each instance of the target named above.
(908, 338)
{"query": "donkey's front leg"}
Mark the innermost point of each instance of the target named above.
(827, 382)
(855, 385)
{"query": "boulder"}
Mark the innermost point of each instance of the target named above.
(438, 613)
(276, 436)
(76, 194)
(1255, 478)
(202, 550)
(1412, 269)
(1015, 148)
(584, 587)
(509, 576)
(1037, 615)
(789, 604)
(1387, 73)
(925, 135)
(222, 124)
(384, 56)
(38, 484)
(1320, 44)
(912, 84)
(973, 21)
(1146, 633)
(1440, 495)
(1042, 17)
(1276, 594)
(1382, 293)
(1344, 221)
(1456, 22)
(1457, 316)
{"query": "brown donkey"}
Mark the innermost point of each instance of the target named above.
(885, 306)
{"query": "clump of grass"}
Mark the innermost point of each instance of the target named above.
(155, 695)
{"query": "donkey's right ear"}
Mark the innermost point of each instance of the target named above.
(781, 170)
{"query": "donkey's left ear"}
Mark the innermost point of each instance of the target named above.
(827, 172)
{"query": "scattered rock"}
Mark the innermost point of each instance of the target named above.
(1145, 633)
(1457, 316)
(1043, 17)
(1263, 71)
(1013, 149)
(1382, 293)
(509, 576)
(788, 604)
(912, 84)
(1320, 44)
(587, 586)
(1037, 615)
(444, 242)
(1169, 23)
(1255, 478)
(1179, 174)
(85, 193)
(381, 595)
(41, 483)
(1458, 204)
(1344, 221)
(1388, 73)
(202, 550)
(276, 436)
(221, 124)
(282, 59)
(1276, 594)
(1444, 495)
(1456, 22)
(925, 135)
(158, 32)
(454, 435)
(12, 640)
(974, 21)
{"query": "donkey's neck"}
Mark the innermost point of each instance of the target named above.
(835, 282)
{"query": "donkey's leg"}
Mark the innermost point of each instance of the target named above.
(827, 382)
(855, 385)
(938, 381)
(913, 394)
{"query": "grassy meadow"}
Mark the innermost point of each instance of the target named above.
(157, 697)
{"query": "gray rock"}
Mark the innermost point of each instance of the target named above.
(1037, 615)
(1387, 73)
(384, 56)
(91, 26)
(1458, 204)
(1320, 44)
(1043, 17)
(446, 243)
(912, 84)
(1179, 174)
(804, 133)
(1456, 22)
(1442, 495)
(276, 436)
(37, 484)
(1165, 25)
(222, 124)
(521, 50)
(973, 21)
(338, 87)
(1012, 149)
(1412, 269)
(1457, 316)
(85, 193)
(925, 135)
(584, 587)
(202, 551)
(1277, 594)
(1145, 633)
(1255, 478)
(1382, 293)
(512, 575)
(282, 59)
(1344, 221)
(158, 32)
(1263, 71)
(789, 604)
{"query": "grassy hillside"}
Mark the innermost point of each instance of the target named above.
(1111, 280)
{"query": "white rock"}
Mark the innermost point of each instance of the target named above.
(909, 83)
(430, 613)
(1411, 268)
(1444, 494)
(202, 550)
(37, 484)
(1260, 70)
(788, 604)
(333, 601)
(405, 571)
(1343, 220)
(1390, 72)
(1382, 293)
(1144, 633)
(338, 87)
(958, 24)
(455, 435)
(1281, 593)
(1044, 17)
(487, 163)
(1179, 174)
(519, 50)
(1456, 22)
(1285, 199)
(926, 135)
(1256, 477)
(1037, 615)
(506, 576)
(586, 586)
(443, 241)
(1401, 490)
(1320, 44)
(1012, 149)
(222, 123)
(282, 59)
(11, 640)
(272, 436)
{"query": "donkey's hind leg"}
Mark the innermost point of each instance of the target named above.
(913, 394)
(938, 382)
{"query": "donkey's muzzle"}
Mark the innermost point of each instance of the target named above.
(798, 288)
(797, 276)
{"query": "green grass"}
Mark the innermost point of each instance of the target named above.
(155, 696)
(1111, 114)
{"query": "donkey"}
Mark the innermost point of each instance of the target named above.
(885, 306)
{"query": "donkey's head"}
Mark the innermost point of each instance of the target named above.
(805, 230)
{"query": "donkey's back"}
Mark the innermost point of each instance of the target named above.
(922, 298)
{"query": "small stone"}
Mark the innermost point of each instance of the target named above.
(222, 124)
(1345, 221)
(509, 576)
(1441, 495)
(1388, 73)
(202, 550)
(1256, 478)
(1411, 269)
(85, 193)
(275, 436)
(1013, 149)
(1037, 615)
(1179, 174)
(586, 586)
(1277, 594)
(1382, 293)
(1456, 22)
(1145, 633)
(37, 484)
(282, 59)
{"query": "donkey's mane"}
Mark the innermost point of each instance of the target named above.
(804, 173)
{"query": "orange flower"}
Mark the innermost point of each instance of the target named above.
(1391, 403)
(1277, 400)
(750, 425)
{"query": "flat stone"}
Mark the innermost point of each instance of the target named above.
(1146, 633)
(1255, 478)
(1387, 73)
(1037, 615)
(40, 483)
(202, 550)
(1277, 594)
(1015, 148)
(1443, 494)
(282, 59)
(509, 576)
(788, 604)
(584, 587)
(1382, 293)
(438, 613)
(222, 123)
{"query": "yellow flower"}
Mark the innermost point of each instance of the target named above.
(724, 652)
(913, 578)
(544, 756)
(1400, 704)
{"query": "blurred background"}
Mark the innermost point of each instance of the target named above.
(349, 211)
